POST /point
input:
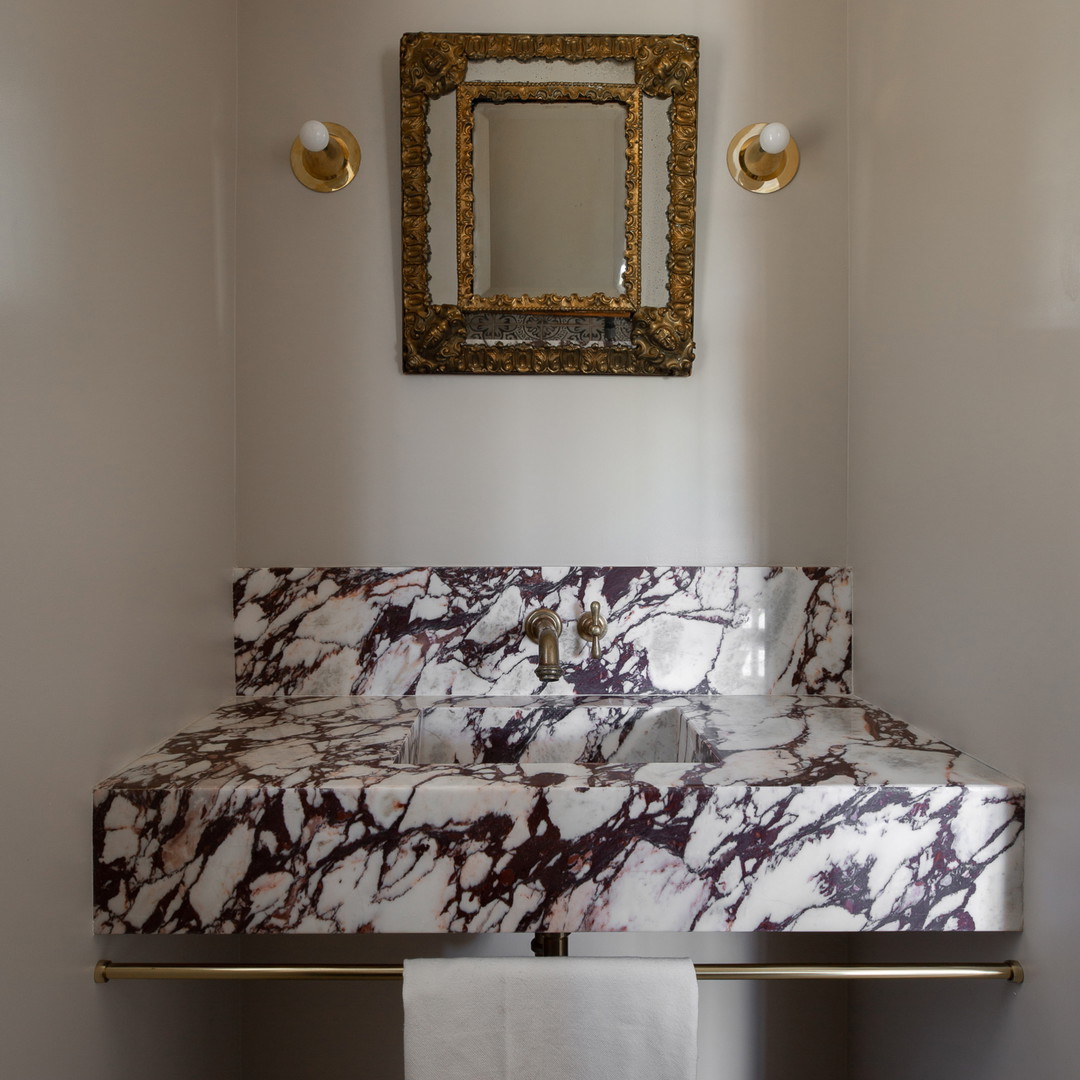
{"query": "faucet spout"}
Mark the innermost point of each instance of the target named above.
(544, 627)
(549, 667)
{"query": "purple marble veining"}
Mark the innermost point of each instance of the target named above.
(304, 815)
(457, 630)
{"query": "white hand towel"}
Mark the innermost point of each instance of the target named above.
(550, 1018)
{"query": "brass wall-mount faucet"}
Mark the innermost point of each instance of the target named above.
(544, 627)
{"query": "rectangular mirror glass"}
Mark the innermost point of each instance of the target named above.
(549, 197)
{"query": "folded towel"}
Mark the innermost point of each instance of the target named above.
(550, 1018)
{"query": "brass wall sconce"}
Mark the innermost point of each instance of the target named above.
(324, 157)
(763, 158)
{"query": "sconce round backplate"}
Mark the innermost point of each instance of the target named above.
(346, 142)
(779, 168)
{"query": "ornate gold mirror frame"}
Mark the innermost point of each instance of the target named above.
(637, 339)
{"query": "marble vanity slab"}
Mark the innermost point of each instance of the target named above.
(308, 815)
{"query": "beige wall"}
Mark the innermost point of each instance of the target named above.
(116, 296)
(345, 460)
(965, 454)
(116, 303)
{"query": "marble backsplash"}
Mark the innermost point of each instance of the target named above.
(346, 631)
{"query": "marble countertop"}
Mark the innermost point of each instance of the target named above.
(304, 815)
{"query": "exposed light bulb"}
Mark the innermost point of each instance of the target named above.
(314, 136)
(774, 138)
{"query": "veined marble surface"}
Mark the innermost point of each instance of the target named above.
(457, 630)
(303, 815)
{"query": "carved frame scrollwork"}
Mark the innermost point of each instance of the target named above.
(661, 339)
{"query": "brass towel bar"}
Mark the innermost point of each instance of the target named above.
(1011, 971)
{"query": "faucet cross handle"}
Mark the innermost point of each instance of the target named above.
(592, 626)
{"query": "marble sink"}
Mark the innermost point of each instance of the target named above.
(584, 734)
(773, 812)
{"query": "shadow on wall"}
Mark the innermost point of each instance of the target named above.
(971, 1021)
(356, 1028)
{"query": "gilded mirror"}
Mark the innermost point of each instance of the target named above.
(548, 187)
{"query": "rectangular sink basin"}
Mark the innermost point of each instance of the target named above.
(552, 734)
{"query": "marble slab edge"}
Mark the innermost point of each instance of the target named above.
(822, 814)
